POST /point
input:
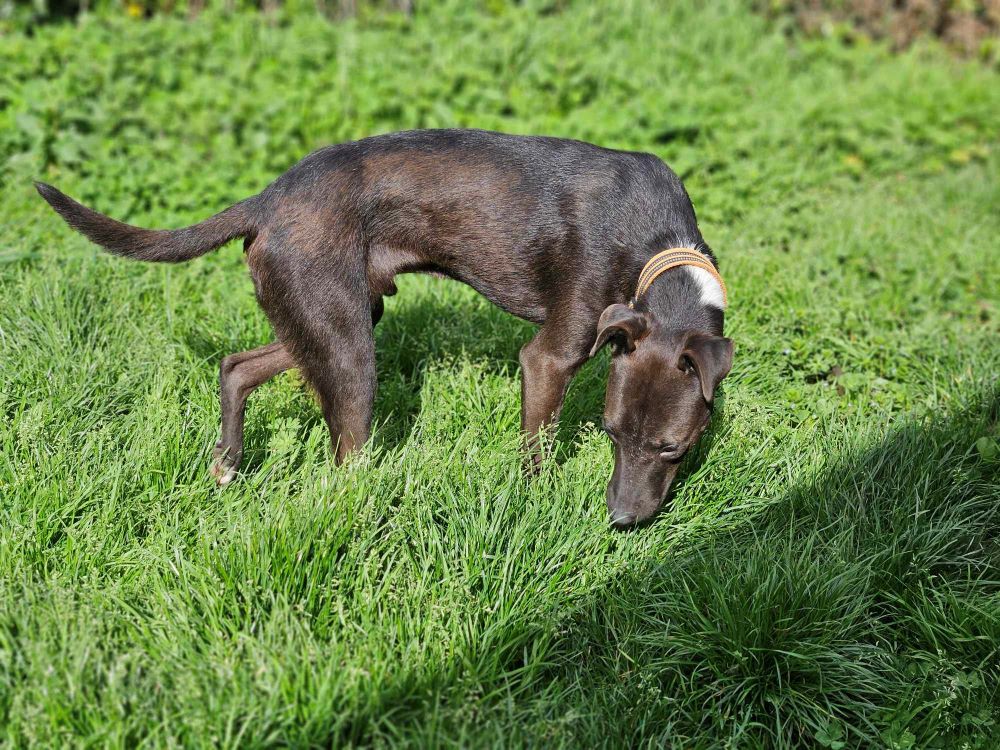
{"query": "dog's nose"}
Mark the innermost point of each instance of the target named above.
(622, 519)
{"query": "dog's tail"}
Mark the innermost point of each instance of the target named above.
(159, 245)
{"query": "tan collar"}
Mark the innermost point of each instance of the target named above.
(667, 259)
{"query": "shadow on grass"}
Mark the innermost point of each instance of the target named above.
(862, 606)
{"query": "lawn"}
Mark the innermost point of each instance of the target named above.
(827, 574)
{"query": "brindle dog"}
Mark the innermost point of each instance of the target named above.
(553, 231)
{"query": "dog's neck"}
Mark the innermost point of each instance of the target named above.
(685, 298)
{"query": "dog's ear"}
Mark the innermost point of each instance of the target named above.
(711, 357)
(622, 326)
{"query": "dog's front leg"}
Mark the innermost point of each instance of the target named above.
(548, 363)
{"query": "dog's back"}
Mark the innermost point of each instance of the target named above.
(509, 215)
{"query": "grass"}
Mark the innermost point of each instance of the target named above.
(827, 574)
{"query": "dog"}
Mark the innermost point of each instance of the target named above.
(598, 247)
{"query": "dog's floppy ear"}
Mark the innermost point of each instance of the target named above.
(621, 325)
(712, 357)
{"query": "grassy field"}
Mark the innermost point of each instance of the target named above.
(828, 574)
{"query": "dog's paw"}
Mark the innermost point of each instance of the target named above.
(224, 467)
(223, 473)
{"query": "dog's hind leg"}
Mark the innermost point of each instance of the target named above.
(315, 292)
(239, 375)
(336, 352)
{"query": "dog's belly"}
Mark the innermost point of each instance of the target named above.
(504, 284)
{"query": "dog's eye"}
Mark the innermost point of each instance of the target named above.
(670, 451)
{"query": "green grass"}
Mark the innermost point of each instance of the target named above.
(828, 573)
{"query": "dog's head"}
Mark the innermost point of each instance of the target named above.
(658, 404)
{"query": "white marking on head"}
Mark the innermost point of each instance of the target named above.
(711, 290)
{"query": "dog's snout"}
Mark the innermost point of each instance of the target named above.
(621, 511)
(635, 493)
